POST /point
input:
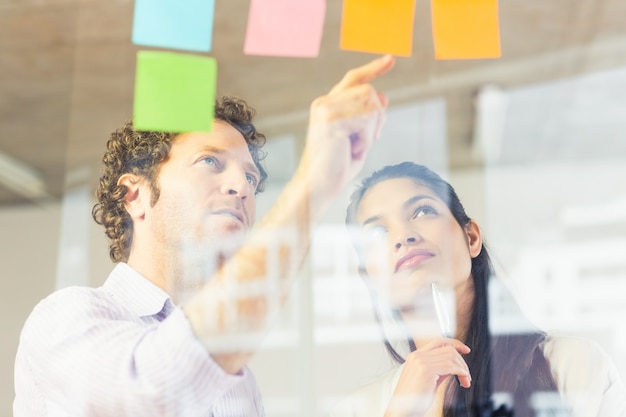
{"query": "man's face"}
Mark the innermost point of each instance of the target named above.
(207, 192)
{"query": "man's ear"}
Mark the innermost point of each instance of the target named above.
(137, 195)
(474, 238)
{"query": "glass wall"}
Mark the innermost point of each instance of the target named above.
(533, 142)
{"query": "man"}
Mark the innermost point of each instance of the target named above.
(153, 340)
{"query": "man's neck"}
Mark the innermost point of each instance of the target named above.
(151, 265)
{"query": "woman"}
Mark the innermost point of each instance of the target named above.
(415, 220)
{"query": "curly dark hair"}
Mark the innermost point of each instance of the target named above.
(141, 153)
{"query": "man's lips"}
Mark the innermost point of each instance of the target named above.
(236, 214)
(412, 258)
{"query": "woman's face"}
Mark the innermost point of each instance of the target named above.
(410, 239)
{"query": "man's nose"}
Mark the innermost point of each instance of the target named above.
(236, 183)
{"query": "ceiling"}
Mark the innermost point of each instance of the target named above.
(67, 73)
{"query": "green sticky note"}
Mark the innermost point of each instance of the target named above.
(174, 92)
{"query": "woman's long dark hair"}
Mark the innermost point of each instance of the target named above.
(504, 363)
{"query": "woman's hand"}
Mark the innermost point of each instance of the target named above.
(424, 370)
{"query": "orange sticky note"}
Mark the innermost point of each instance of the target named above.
(378, 26)
(466, 29)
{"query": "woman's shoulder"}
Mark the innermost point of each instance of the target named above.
(370, 399)
(575, 358)
(563, 349)
(585, 374)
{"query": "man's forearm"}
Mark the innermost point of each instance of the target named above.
(240, 288)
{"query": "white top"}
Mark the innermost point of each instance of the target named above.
(122, 349)
(586, 378)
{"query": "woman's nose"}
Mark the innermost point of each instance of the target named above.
(406, 240)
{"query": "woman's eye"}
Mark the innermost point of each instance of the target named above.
(374, 233)
(423, 211)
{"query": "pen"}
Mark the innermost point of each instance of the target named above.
(442, 317)
(442, 314)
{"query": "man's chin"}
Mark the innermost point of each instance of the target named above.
(226, 229)
(200, 260)
(228, 241)
(229, 231)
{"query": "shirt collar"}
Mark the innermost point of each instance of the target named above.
(136, 292)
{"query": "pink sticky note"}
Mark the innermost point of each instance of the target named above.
(285, 28)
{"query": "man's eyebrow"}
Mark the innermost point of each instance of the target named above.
(408, 203)
(213, 149)
(253, 168)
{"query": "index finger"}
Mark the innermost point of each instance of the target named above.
(446, 341)
(365, 73)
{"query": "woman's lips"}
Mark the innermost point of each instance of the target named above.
(413, 258)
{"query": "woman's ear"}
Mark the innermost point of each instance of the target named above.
(137, 195)
(474, 238)
(363, 274)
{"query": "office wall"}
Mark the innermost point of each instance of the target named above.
(28, 253)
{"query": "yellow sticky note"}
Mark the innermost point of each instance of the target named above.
(378, 26)
(466, 29)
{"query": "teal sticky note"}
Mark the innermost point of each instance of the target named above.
(174, 92)
(175, 24)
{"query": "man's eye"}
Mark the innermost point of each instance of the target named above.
(251, 180)
(209, 160)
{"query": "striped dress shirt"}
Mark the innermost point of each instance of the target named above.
(123, 349)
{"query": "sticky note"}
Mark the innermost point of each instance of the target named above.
(290, 28)
(466, 29)
(174, 92)
(174, 24)
(378, 26)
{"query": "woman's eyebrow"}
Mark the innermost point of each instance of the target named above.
(407, 204)
(370, 220)
(411, 201)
